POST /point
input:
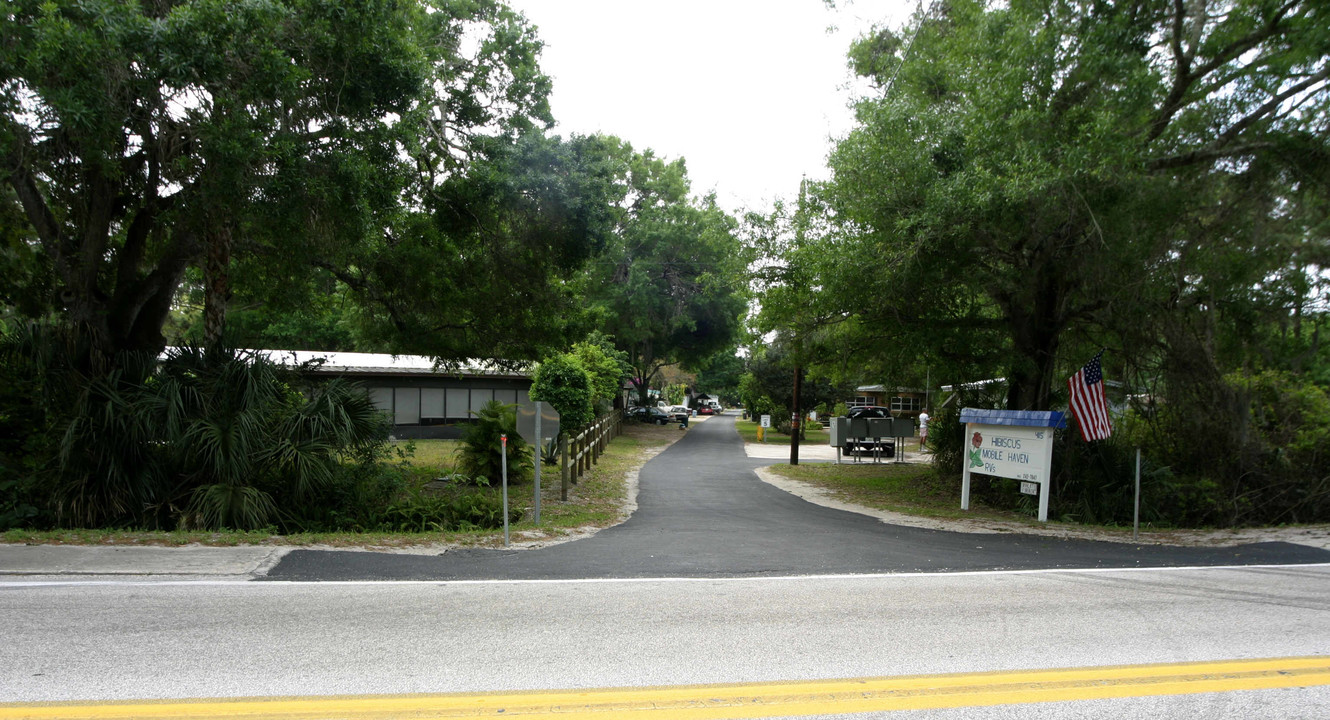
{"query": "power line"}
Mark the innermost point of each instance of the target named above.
(923, 16)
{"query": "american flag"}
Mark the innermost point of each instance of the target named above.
(1087, 400)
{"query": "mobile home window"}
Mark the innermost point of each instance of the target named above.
(431, 403)
(478, 400)
(382, 398)
(459, 402)
(406, 405)
(905, 404)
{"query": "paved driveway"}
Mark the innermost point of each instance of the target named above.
(703, 513)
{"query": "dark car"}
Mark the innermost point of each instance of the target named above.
(650, 415)
(885, 447)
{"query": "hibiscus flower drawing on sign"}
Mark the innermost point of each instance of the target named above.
(975, 459)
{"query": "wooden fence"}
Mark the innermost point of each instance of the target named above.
(579, 453)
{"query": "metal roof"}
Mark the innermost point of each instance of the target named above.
(352, 363)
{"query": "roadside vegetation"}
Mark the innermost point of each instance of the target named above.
(1027, 186)
(596, 501)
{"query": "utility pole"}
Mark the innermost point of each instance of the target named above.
(796, 418)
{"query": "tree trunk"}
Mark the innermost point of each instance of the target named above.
(217, 284)
(1036, 319)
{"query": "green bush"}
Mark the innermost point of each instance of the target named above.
(454, 509)
(196, 439)
(562, 382)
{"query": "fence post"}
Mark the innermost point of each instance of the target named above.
(563, 466)
(600, 439)
(585, 452)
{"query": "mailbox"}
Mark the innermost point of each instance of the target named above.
(859, 428)
(904, 428)
(880, 428)
(840, 430)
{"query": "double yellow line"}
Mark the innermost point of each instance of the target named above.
(757, 700)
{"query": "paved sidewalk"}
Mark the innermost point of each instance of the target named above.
(816, 452)
(28, 562)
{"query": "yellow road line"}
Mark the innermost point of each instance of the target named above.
(754, 700)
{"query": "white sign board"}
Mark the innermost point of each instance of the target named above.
(766, 421)
(1019, 453)
(1016, 445)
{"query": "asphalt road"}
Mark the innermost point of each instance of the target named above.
(124, 640)
(717, 578)
(703, 513)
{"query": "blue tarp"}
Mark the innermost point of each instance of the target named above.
(1025, 418)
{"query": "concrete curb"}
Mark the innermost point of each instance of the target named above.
(95, 561)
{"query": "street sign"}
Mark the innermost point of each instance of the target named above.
(766, 421)
(526, 421)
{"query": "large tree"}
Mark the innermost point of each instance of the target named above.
(145, 139)
(1033, 173)
(669, 287)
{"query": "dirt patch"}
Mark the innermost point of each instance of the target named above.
(1311, 535)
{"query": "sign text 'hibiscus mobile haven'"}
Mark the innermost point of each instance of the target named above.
(1014, 444)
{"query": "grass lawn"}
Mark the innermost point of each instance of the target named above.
(816, 434)
(425, 460)
(908, 488)
(595, 501)
(428, 453)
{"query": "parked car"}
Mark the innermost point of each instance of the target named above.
(650, 415)
(679, 413)
(885, 447)
(706, 410)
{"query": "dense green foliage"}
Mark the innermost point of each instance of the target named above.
(482, 453)
(720, 374)
(768, 386)
(563, 382)
(606, 367)
(365, 175)
(1031, 181)
(192, 440)
(455, 509)
(669, 286)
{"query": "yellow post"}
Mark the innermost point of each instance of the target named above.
(761, 434)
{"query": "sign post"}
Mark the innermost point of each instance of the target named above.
(764, 424)
(536, 423)
(504, 440)
(1016, 444)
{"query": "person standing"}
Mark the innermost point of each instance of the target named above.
(923, 429)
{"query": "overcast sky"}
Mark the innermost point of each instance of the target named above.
(747, 91)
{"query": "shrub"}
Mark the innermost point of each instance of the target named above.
(453, 509)
(562, 382)
(480, 454)
(215, 438)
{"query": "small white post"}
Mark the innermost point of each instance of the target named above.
(965, 475)
(1046, 484)
(540, 445)
(1136, 514)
